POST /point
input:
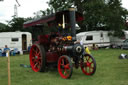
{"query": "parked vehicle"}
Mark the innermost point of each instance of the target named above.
(117, 42)
(124, 45)
(99, 38)
(18, 41)
(59, 47)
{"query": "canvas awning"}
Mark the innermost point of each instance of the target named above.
(56, 17)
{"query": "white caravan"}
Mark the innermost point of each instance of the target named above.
(99, 38)
(15, 40)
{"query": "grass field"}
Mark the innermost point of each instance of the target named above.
(110, 71)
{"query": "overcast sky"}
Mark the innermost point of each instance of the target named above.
(27, 8)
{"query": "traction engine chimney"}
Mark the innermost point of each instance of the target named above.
(72, 23)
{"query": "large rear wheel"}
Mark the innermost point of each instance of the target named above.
(88, 65)
(37, 58)
(65, 67)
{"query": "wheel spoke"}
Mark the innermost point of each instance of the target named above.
(37, 51)
(39, 58)
(88, 65)
(62, 69)
(88, 58)
(66, 66)
(85, 69)
(65, 71)
(89, 69)
(34, 50)
(33, 54)
(92, 62)
(62, 62)
(38, 54)
(36, 65)
(36, 60)
(33, 58)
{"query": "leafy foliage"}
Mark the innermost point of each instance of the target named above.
(16, 24)
(98, 14)
(2, 27)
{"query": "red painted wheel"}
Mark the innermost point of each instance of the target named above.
(65, 67)
(88, 65)
(37, 58)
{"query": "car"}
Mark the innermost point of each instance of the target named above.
(124, 44)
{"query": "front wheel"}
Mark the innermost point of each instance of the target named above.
(88, 64)
(37, 58)
(65, 67)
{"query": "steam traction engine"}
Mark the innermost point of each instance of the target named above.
(60, 48)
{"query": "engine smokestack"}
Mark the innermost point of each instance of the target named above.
(72, 23)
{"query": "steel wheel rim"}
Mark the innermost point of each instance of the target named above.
(88, 65)
(64, 68)
(35, 58)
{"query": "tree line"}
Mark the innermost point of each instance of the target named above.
(98, 15)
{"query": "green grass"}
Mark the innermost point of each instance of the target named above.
(110, 71)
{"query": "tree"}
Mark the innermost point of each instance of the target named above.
(2, 27)
(98, 14)
(116, 18)
(16, 24)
